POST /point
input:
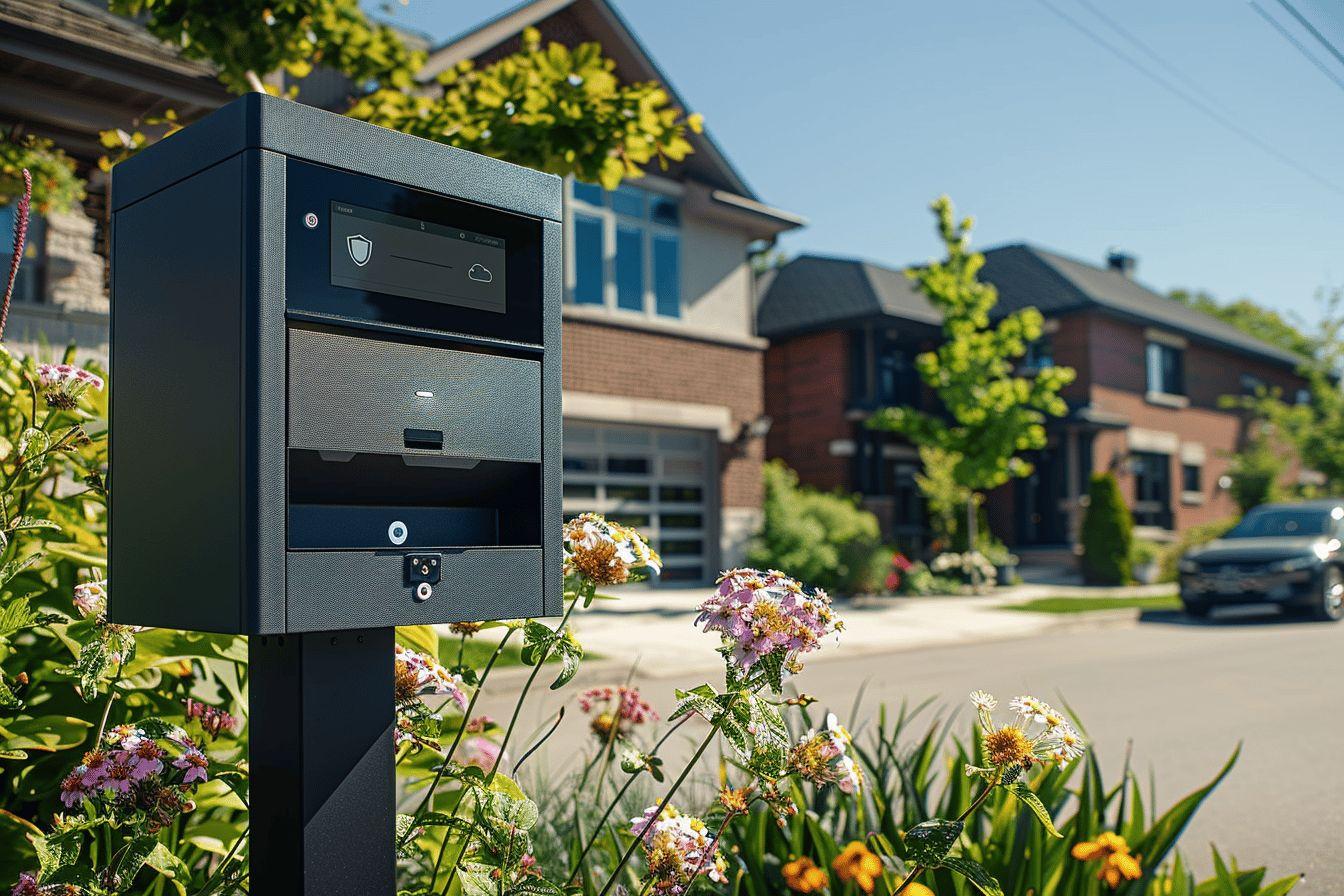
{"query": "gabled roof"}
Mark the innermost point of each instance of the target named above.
(815, 291)
(590, 20)
(812, 292)
(1027, 275)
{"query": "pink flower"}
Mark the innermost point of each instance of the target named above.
(683, 846)
(480, 752)
(118, 777)
(145, 760)
(417, 674)
(759, 614)
(64, 383)
(72, 788)
(479, 724)
(27, 885)
(214, 720)
(195, 763)
(91, 598)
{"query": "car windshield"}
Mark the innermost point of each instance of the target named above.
(1287, 523)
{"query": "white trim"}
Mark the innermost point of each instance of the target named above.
(649, 412)
(1193, 454)
(1153, 440)
(1154, 335)
(841, 448)
(1166, 399)
(1192, 498)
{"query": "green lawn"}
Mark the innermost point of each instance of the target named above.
(478, 649)
(1068, 603)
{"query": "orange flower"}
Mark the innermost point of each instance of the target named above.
(1117, 865)
(858, 864)
(803, 876)
(914, 888)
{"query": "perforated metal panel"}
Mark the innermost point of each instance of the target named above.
(349, 393)
(330, 590)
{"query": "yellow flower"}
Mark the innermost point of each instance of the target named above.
(859, 865)
(1117, 865)
(736, 801)
(803, 876)
(915, 888)
(1008, 746)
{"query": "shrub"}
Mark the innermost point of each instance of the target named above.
(1108, 533)
(1255, 472)
(823, 538)
(1192, 538)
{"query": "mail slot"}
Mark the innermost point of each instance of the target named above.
(335, 360)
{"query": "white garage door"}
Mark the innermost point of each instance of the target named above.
(655, 479)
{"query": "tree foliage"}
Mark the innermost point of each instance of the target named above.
(248, 39)
(1255, 471)
(547, 107)
(1107, 534)
(991, 414)
(1254, 319)
(56, 187)
(1313, 427)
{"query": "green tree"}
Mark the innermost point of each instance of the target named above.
(1254, 319)
(1313, 425)
(990, 416)
(1107, 534)
(246, 40)
(546, 107)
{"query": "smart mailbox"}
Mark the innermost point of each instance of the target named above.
(335, 409)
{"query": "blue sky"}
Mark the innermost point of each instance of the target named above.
(856, 114)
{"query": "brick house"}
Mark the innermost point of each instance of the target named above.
(663, 368)
(1145, 404)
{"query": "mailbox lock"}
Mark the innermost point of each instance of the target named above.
(423, 591)
(397, 532)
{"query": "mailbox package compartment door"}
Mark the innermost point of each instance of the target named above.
(352, 393)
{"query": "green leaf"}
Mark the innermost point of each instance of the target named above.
(56, 851)
(477, 880)
(136, 854)
(929, 842)
(44, 733)
(421, 638)
(1028, 797)
(974, 872)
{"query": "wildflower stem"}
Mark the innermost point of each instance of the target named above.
(209, 885)
(620, 795)
(976, 804)
(587, 588)
(461, 729)
(107, 707)
(667, 798)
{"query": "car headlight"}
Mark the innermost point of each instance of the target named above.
(1188, 565)
(1295, 563)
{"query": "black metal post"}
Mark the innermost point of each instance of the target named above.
(322, 795)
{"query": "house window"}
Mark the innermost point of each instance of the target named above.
(1192, 476)
(626, 246)
(28, 285)
(1040, 353)
(1251, 384)
(882, 371)
(1166, 369)
(1152, 489)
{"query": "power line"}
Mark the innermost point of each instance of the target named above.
(1311, 29)
(1152, 54)
(1184, 95)
(1301, 48)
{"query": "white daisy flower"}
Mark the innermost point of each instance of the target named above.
(984, 700)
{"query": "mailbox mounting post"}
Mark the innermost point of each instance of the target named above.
(336, 394)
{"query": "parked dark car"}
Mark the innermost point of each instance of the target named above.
(1284, 554)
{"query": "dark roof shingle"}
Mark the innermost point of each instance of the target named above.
(812, 291)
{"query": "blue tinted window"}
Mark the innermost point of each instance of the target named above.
(664, 210)
(628, 201)
(666, 275)
(587, 260)
(589, 193)
(630, 267)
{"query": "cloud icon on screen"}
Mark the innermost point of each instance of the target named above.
(480, 273)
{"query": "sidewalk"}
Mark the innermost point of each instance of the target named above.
(655, 626)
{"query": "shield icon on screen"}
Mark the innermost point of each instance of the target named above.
(361, 248)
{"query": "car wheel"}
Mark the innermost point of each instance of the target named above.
(1329, 605)
(1196, 611)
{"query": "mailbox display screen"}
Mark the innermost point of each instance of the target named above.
(386, 253)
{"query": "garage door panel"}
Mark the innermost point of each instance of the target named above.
(653, 479)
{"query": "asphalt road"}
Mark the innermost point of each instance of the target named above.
(1185, 693)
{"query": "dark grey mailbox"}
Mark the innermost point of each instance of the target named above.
(335, 409)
